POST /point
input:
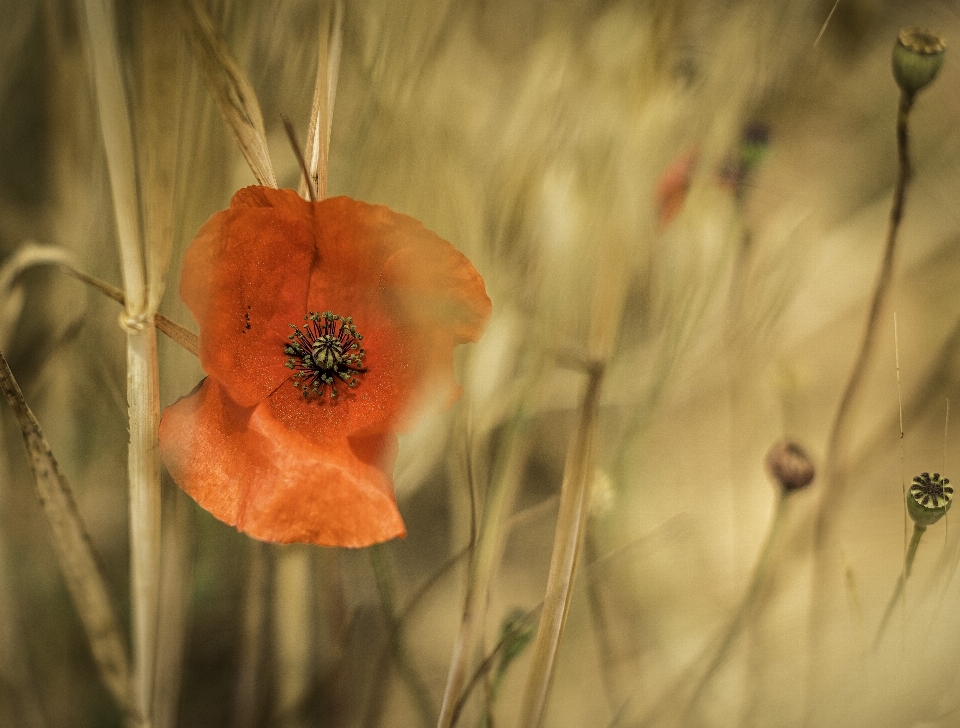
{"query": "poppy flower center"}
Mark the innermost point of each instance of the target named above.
(325, 352)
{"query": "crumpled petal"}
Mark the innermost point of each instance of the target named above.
(248, 469)
(245, 280)
(411, 294)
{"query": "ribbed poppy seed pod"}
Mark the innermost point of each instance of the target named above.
(790, 465)
(917, 57)
(929, 498)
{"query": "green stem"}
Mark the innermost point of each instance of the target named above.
(419, 691)
(918, 531)
(750, 600)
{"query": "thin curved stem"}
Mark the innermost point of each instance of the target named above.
(180, 335)
(760, 577)
(837, 460)
(918, 532)
(839, 433)
(574, 498)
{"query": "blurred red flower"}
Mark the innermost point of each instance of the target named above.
(325, 327)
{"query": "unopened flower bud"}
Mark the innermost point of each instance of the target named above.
(917, 57)
(929, 498)
(790, 465)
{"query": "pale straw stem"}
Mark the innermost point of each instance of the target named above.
(143, 466)
(143, 392)
(159, 116)
(324, 97)
(571, 522)
(118, 144)
(231, 90)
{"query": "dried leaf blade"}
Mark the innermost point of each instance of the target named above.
(74, 550)
(230, 88)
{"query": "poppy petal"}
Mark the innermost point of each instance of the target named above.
(441, 298)
(411, 294)
(243, 275)
(250, 470)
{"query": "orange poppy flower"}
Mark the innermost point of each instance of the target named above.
(325, 327)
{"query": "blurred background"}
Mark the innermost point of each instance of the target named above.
(705, 183)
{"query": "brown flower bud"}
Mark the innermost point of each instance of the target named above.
(790, 465)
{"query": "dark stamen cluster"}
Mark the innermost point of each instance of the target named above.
(929, 490)
(325, 351)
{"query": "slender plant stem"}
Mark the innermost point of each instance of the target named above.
(601, 626)
(485, 557)
(143, 466)
(483, 669)
(143, 389)
(180, 335)
(747, 607)
(918, 532)
(314, 179)
(836, 459)
(419, 691)
(574, 499)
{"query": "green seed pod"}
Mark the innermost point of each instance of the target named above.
(929, 498)
(917, 57)
(790, 466)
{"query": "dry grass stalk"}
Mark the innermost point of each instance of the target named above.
(324, 96)
(159, 118)
(230, 88)
(143, 391)
(118, 142)
(74, 550)
(571, 523)
(170, 328)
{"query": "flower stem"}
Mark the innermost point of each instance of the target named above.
(918, 532)
(840, 432)
(747, 607)
(421, 695)
(836, 462)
